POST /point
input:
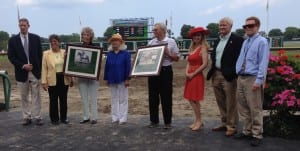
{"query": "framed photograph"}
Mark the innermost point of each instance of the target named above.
(148, 60)
(83, 61)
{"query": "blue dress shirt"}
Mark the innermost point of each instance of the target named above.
(254, 58)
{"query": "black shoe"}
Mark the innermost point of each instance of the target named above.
(55, 122)
(255, 142)
(153, 125)
(241, 136)
(65, 122)
(167, 126)
(93, 122)
(84, 121)
(39, 122)
(26, 122)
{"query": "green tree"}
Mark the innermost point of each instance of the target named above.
(214, 30)
(240, 32)
(275, 32)
(74, 37)
(290, 33)
(4, 36)
(263, 33)
(44, 40)
(185, 31)
(109, 32)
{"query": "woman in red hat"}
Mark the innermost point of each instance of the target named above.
(197, 62)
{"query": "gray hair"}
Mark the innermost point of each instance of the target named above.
(88, 30)
(227, 20)
(162, 26)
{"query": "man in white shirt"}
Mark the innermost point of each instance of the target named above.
(160, 87)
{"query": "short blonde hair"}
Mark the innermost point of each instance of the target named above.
(88, 30)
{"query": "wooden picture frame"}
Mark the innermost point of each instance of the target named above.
(83, 61)
(148, 60)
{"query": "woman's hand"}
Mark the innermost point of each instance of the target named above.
(45, 87)
(126, 83)
(71, 83)
(190, 76)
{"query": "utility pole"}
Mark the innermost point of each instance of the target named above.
(80, 26)
(267, 16)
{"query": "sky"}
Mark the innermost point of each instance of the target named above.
(69, 16)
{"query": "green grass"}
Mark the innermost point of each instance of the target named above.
(3, 58)
(291, 44)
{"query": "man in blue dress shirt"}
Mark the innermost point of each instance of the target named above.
(251, 68)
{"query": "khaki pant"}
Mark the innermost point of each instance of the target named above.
(250, 106)
(225, 93)
(31, 109)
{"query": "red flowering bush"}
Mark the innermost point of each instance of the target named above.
(283, 82)
(282, 94)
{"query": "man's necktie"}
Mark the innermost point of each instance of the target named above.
(26, 47)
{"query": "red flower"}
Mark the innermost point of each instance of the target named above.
(280, 70)
(297, 56)
(296, 76)
(282, 63)
(284, 58)
(281, 52)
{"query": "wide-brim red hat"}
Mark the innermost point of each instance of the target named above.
(202, 30)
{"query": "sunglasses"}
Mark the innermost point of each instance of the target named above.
(249, 26)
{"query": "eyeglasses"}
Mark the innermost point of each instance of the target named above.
(249, 26)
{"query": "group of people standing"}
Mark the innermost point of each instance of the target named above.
(35, 67)
(238, 71)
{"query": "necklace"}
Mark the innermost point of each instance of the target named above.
(56, 54)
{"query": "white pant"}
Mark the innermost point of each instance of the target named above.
(89, 94)
(119, 102)
(30, 109)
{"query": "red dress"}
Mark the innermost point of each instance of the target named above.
(194, 88)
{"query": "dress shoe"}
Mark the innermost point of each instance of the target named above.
(230, 132)
(39, 122)
(26, 122)
(255, 142)
(153, 125)
(93, 122)
(242, 136)
(84, 121)
(55, 123)
(65, 122)
(219, 128)
(123, 123)
(167, 126)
